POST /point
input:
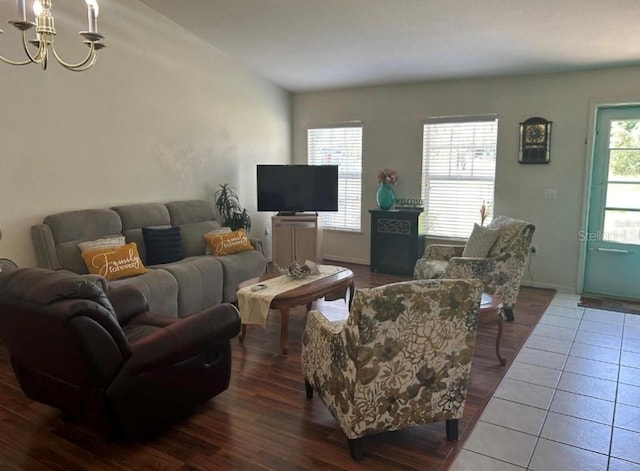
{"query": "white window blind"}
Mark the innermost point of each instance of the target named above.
(340, 146)
(458, 173)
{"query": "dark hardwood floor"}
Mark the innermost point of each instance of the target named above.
(263, 421)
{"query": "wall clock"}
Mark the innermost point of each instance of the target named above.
(535, 140)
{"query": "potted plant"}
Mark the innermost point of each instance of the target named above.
(231, 213)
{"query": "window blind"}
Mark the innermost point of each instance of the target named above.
(458, 173)
(340, 146)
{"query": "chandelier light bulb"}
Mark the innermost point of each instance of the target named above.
(92, 12)
(22, 9)
(37, 8)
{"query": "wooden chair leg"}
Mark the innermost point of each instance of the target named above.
(508, 312)
(309, 389)
(355, 449)
(452, 430)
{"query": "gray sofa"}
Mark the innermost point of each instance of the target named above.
(176, 289)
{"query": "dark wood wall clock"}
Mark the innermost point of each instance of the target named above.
(535, 141)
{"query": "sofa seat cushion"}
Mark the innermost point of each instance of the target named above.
(159, 287)
(428, 269)
(240, 267)
(200, 282)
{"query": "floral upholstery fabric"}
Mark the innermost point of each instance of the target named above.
(402, 357)
(500, 272)
(435, 260)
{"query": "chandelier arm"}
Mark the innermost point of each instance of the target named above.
(42, 50)
(85, 67)
(87, 62)
(27, 62)
(9, 61)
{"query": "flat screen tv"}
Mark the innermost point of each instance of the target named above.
(289, 189)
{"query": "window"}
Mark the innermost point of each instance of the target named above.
(340, 146)
(458, 173)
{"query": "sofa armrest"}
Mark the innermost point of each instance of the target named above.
(184, 338)
(442, 251)
(321, 340)
(44, 247)
(257, 244)
(127, 301)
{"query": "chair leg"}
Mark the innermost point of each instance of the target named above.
(452, 430)
(309, 389)
(508, 312)
(355, 449)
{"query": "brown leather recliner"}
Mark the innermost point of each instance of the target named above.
(105, 358)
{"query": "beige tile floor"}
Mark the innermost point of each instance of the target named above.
(569, 402)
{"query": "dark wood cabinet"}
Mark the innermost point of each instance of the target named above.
(396, 243)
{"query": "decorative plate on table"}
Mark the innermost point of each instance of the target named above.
(299, 270)
(7, 265)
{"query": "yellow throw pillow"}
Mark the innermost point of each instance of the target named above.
(228, 243)
(114, 262)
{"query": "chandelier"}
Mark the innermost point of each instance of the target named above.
(38, 53)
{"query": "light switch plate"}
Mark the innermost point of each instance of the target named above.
(550, 194)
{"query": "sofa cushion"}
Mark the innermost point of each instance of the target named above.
(218, 230)
(240, 267)
(192, 240)
(200, 282)
(190, 211)
(162, 245)
(136, 216)
(112, 241)
(159, 287)
(227, 243)
(70, 228)
(114, 262)
(480, 241)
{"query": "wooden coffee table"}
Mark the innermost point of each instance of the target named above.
(302, 295)
(492, 306)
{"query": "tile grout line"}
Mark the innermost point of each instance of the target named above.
(553, 396)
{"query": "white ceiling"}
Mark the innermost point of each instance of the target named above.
(305, 45)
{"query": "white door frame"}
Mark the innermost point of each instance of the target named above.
(594, 106)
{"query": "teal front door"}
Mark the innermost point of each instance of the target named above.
(612, 264)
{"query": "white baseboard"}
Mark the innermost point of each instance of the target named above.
(557, 287)
(338, 258)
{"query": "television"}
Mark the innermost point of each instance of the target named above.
(289, 189)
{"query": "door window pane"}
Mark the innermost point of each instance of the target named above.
(624, 164)
(621, 226)
(624, 143)
(623, 195)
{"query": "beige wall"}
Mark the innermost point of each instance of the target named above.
(161, 116)
(392, 137)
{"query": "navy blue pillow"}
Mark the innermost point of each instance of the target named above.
(162, 245)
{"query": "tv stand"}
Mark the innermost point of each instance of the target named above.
(295, 213)
(295, 237)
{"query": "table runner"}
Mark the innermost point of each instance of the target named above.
(254, 305)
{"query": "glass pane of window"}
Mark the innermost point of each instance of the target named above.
(623, 195)
(340, 146)
(624, 143)
(458, 172)
(621, 226)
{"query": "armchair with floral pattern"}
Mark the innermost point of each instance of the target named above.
(401, 358)
(502, 269)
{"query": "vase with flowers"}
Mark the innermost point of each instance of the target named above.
(386, 195)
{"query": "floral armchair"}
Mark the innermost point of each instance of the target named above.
(501, 270)
(402, 357)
